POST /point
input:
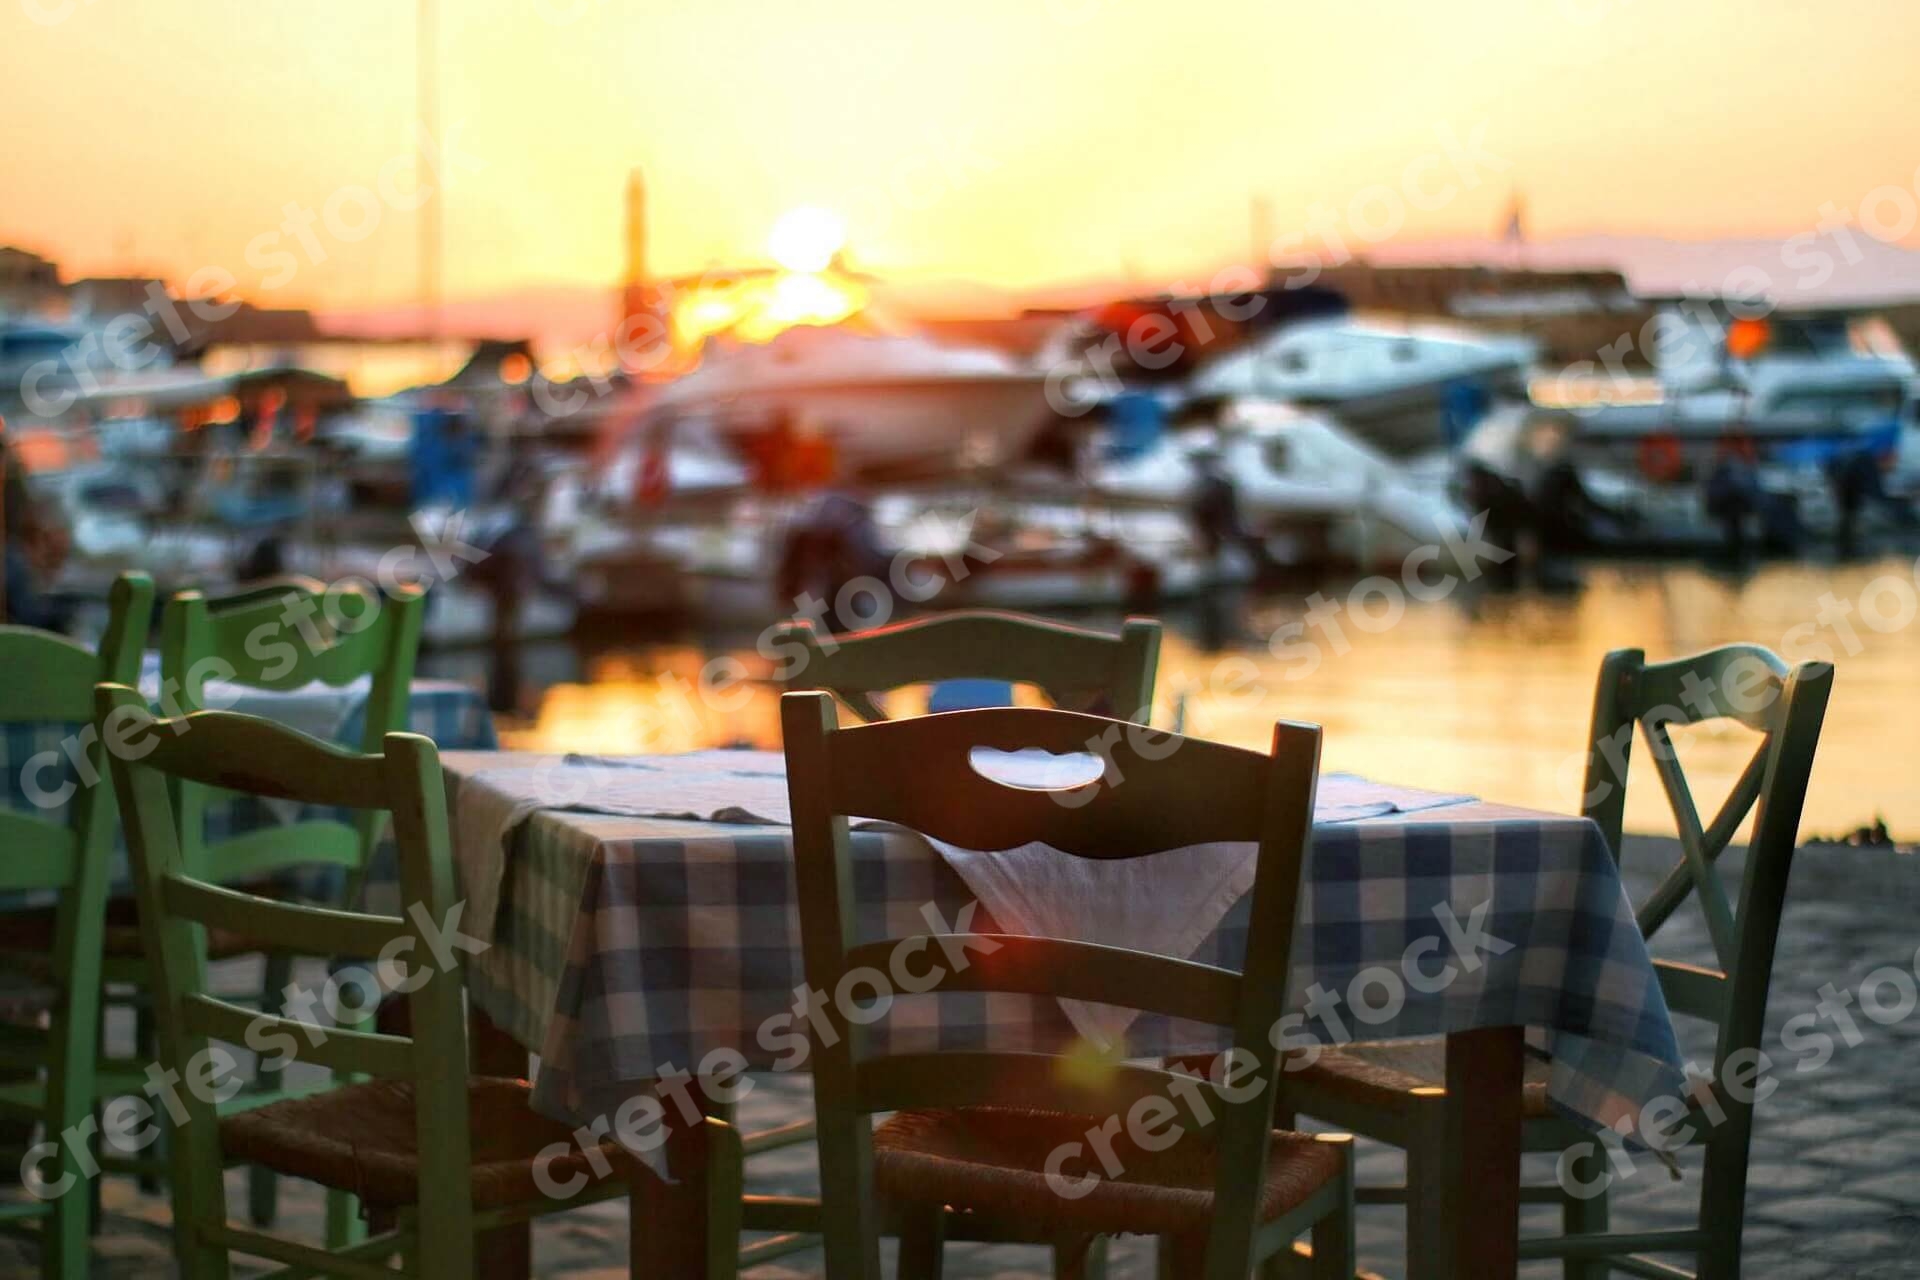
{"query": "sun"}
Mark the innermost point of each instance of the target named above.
(805, 239)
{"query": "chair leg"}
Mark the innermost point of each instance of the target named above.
(1723, 1197)
(1333, 1249)
(263, 1187)
(1429, 1240)
(1333, 1246)
(345, 1225)
(96, 1184)
(98, 1142)
(922, 1241)
(726, 1175)
(1080, 1258)
(201, 1261)
(1284, 1265)
(1580, 1217)
(65, 1252)
(146, 1044)
(1179, 1257)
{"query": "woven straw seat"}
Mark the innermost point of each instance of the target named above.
(992, 1161)
(361, 1138)
(1385, 1073)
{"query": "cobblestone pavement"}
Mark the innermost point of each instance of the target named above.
(1836, 1173)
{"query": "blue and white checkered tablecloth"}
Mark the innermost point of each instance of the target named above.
(627, 948)
(37, 761)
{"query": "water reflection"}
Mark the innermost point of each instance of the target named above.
(1483, 693)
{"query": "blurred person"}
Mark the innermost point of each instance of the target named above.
(1855, 476)
(36, 544)
(1509, 523)
(1731, 493)
(1566, 515)
(510, 572)
(1215, 510)
(833, 542)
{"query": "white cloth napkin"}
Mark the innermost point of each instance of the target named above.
(1166, 903)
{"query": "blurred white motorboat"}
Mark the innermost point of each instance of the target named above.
(1402, 388)
(878, 403)
(1293, 469)
(1807, 382)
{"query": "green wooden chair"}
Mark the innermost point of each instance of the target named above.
(1224, 1196)
(279, 636)
(1391, 1091)
(292, 635)
(50, 679)
(1077, 668)
(440, 1154)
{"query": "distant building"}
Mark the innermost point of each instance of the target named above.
(1573, 313)
(249, 325)
(103, 297)
(28, 282)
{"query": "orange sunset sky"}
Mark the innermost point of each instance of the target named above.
(1035, 141)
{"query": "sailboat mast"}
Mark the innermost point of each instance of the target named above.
(427, 90)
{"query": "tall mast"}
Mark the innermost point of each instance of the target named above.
(427, 90)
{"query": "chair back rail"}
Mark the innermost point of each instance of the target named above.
(177, 902)
(1073, 666)
(288, 636)
(1161, 792)
(280, 636)
(1134, 807)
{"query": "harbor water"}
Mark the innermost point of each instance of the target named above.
(1485, 692)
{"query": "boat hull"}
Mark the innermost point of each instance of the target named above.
(891, 427)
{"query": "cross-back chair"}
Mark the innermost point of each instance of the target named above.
(49, 680)
(1228, 1193)
(1076, 667)
(442, 1154)
(1390, 1091)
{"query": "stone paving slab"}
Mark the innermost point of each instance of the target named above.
(1835, 1180)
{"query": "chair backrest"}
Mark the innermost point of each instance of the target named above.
(1077, 668)
(255, 756)
(1160, 792)
(49, 681)
(281, 636)
(1785, 706)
